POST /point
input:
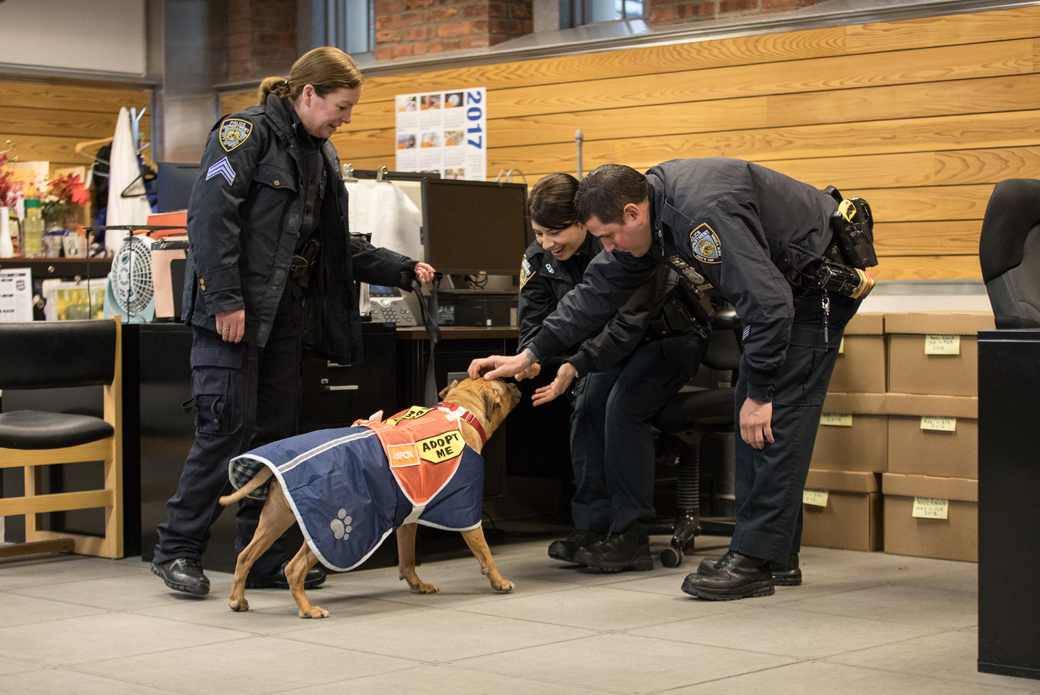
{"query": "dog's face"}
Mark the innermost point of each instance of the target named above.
(497, 398)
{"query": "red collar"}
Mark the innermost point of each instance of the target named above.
(467, 416)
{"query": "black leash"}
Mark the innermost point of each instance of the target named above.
(428, 309)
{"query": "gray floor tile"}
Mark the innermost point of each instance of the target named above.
(54, 681)
(455, 590)
(785, 632)
(835, 679)
(125, 592)
(252, 666)
(946, 656)
(873, 567)
(898, 603)
(623, 663)
(438, 635)
(29, 610)
(964, 580)
(9, 666)
(42, 570)
(107, 636)
(604, 608)
(441, 678)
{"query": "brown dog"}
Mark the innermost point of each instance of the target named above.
(488, 401)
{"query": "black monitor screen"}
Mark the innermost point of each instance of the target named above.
(173, 185)
(475, 226)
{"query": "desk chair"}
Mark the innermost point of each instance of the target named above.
(39, 355)
(683, 422)
(1009, 252)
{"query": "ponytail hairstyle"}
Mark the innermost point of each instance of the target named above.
(325, 68)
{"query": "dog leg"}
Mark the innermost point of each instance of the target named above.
(275, 518)
(406, 561)
(296, 573)
(479, 547)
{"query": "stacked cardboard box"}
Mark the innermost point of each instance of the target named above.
(931, 486)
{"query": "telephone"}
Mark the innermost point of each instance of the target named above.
(389, 306)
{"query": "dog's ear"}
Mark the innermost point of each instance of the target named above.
(446, 389)
(490, 400)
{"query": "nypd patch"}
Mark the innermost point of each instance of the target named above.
(525, 272)
(233, 132)
(221, 168)
(704, 243)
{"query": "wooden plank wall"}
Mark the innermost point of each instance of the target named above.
(920, 117)
(44, 122)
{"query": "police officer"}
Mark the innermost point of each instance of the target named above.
(626, 373)
(760, 238)
(271, 271)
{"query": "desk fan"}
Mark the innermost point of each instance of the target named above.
(130, 291)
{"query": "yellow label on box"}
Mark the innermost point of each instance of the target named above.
(930, 508)
(817, 498)
(939, 424)
(935, 344)
(841, 346)
(833, 420)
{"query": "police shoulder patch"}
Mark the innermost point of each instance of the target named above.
(705, 244)
(233, 132)
(525, 272)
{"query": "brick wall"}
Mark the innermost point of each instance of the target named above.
(666, 12)
(261, 38)
(406, 28)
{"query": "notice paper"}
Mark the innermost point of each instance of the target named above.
(16, 294)
(443, 132)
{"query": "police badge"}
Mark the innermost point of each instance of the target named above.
(705, 245)
(233, 132)
(525, 272)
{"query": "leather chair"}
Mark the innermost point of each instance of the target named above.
(681, 425)
(1009, 252)
(40, 355)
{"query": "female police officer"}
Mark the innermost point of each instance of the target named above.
(271, 271)
(624, 382)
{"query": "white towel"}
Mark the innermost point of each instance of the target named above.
(384, 211)
(123, 170)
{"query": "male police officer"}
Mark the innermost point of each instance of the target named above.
(760, 238)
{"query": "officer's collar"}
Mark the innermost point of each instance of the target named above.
(298, 128)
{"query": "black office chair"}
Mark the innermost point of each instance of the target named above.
(682, 424)
(1009, 252)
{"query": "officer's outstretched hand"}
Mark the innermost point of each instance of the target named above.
(755, 419)
(558, 387)
(425, 272)
(499, 366)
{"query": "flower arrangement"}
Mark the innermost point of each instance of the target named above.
(8, 186)
(64, 194)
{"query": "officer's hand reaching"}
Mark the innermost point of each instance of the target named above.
(500, 367)
(530, 373)
(559, 385)
(425, 272)
(755, 419)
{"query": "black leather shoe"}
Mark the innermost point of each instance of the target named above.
(182, 574)
(733, 576)
(564, 550)
(315, 577)
(628, 550)
(787, 574)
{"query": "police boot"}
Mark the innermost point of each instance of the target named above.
(315, 577)
(182, 574)
(564, 550)
(733, 576)
(786, 574)
(628, 550)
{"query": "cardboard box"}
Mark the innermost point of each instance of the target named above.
(860, 367)
(853, 434)
(935, 352)
(954, 538)
(933, 435)
(850, 519)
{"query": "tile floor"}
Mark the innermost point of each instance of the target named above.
(861, 623)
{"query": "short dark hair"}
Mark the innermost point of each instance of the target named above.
(607, 190)
(550, 203)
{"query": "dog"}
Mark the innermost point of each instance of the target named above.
(477, 406)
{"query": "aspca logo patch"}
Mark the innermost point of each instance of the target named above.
(413, 413)
(525, 272)
(402, 455)
(233, 132)
(705, 244)
(441, 448)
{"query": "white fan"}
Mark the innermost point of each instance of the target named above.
(130, 290)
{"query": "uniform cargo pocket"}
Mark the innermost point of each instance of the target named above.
(801, 380)
(216, 389)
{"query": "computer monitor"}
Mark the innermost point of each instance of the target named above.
(173, 185)
(471, 227)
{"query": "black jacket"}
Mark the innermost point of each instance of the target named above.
(244, 216)
(544, 281)
(731, 221)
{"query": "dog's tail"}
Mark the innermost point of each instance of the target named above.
(258, 480)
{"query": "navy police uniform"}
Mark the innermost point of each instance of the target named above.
(268, 234)
(743, 228)
(624, 379)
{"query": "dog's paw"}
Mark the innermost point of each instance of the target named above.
(423, 588)
(503, 585)
(314, 612)
(239, 605)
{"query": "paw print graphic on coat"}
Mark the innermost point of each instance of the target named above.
(341, 526)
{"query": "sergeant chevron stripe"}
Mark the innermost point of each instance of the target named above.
(222, 168)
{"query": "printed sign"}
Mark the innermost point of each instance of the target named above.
(930, 508)
(935, 344)
(939, 424)
(441, 448)
(816, 498)
(443, 132)
(412, 413)
(401, 455)
(833, 420)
